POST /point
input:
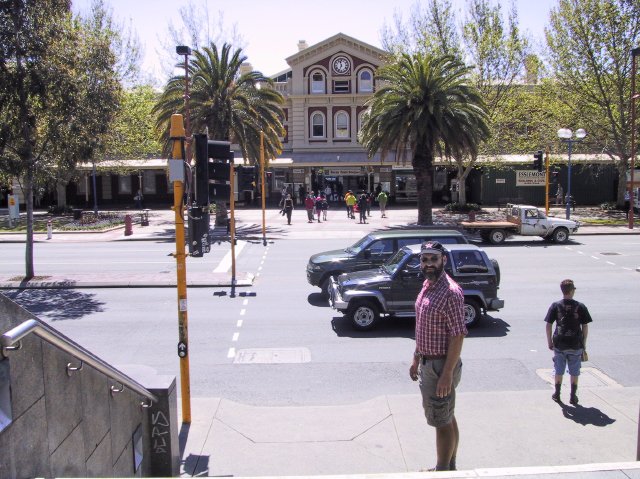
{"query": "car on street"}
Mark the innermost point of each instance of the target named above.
(372, 251)
(392, 288)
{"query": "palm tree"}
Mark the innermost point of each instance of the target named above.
(426, 106)
(231, 104)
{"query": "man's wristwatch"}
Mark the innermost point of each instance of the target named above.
(416, 355)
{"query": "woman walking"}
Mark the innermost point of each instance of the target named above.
(288, 208)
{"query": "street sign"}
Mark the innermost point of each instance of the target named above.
(14, 207)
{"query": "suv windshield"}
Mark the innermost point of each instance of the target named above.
(395, 261)
(359, 245)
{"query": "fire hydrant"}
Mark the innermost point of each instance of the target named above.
(472, 216)
(49, 230)
(128, 225)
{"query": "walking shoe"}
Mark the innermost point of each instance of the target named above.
(574, 400)
(556, 397)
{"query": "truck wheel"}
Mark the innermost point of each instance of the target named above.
(497, 236)
(560, 235)
(364, 315)
(471, 313)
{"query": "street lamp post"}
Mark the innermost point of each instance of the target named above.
(634, 96)
(565, 134)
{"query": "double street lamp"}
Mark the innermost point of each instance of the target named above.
(566, 135)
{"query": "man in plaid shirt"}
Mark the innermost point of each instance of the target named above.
(440, 330)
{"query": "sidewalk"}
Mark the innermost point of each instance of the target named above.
(503, 434)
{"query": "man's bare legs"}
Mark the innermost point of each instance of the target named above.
(447, 439)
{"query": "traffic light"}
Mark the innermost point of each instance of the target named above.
(198, 231)
(213, 170)
(537, 163)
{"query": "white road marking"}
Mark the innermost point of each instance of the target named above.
(239, 324)
(612, 264)
(235, 337)
(242, 311)
(595, 257)
(231, 353)
(580, 252)
(628, 269)
(245, 302)
(225, 264)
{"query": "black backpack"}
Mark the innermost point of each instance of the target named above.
(568, 333)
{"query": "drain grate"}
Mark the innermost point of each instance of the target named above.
(611, 253)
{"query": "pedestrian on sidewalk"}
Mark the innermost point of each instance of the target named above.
(309, 204)
(351, 200)
(288, 207)
(318, 204)
(362, 208)
(569, 339)
(382, 202)
(440, 331)
(325, 206)
(559, 195)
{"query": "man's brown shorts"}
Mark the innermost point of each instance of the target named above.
(438, 411)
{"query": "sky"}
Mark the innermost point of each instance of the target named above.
(271, 30)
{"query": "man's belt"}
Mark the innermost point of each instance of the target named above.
(431, 357)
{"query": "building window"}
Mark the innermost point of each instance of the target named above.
(317, 125)
(317, 82)
(124, 185)
(366, 82)
(341, 86)
(342, 125)
(149, 182)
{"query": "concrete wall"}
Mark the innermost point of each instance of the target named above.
(65, 425)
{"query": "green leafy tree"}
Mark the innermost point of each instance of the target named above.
(58, 94)
(227, 103)
(133, 133)
(589, 53)
(425, 106)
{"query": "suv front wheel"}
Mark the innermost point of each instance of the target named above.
(364, 315)
(471, 313)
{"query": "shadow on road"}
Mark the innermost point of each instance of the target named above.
(318, 300)
(489, 327)
(57, 304)
(530, 243)
(586, 415)
(386, 328)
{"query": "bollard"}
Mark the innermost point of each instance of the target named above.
(128, 225)
(472, 216)
(49, 230)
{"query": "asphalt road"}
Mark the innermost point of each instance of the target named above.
(283, 345)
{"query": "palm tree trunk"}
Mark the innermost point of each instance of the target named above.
(423, 170)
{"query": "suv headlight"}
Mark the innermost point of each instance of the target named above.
(315, 267)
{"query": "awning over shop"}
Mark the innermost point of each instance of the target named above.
(143, 164)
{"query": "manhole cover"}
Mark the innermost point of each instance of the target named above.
(610, 254)
(272, 356)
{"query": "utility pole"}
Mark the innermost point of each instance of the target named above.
(264, 233)
(546, 182)
(177, 137)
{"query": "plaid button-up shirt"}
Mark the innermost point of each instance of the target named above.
(439, 315)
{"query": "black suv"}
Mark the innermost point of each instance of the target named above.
(392, 289)
(371, 251)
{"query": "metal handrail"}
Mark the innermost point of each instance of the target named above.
(9, 339)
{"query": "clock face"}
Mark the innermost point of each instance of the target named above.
(341, 65)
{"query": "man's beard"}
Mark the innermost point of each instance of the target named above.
(433, 273)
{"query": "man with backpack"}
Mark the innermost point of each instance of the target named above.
(569, 338)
